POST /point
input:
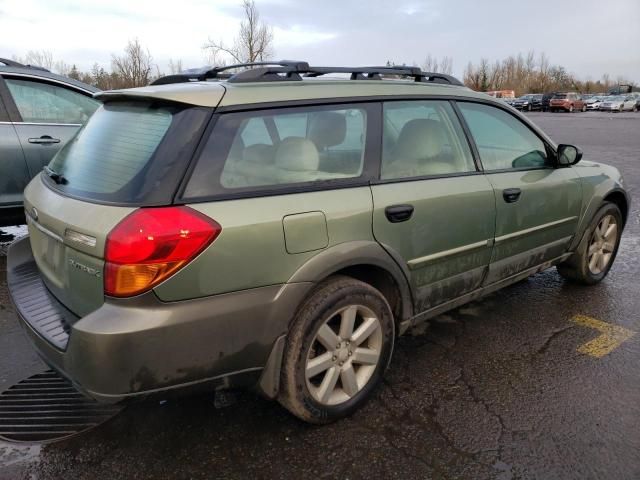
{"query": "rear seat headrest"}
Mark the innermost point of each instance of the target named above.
(297, 154)
(327, 129)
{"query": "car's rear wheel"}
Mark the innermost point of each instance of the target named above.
(337, 350)
(594, 256)
(584, 108)
(570, 108)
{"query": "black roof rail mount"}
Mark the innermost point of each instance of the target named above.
(206, 73)
(13, 63)
(284, 70)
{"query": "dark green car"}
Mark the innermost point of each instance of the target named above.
(276, 228)
(39, 112)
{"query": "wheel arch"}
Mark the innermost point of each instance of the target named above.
(618, 198)
(368, 262)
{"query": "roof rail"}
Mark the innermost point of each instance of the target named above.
(295, 70)
(206, 73)
(10, 63)
(13, 63)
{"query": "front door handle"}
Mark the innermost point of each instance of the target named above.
(511, 195)
(398, 213)
(44, 140)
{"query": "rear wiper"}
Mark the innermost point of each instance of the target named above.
(55, 176)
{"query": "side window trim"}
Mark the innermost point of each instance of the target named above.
(474, 146)
(6, 101)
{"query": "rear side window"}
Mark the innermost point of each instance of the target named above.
(40, 102)
(503, 141)
(273, 148)
(130, 152)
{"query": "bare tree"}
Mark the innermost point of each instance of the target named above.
(432, 64)
(175, 67)
(134, 67)
(254, 41)
(41, 58)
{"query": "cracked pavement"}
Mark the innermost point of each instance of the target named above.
(493, 390)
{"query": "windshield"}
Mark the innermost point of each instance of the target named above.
(560, 95)
(118, 155)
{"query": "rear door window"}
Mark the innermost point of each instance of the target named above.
(254, 151)
(423, 138)
(40, 102)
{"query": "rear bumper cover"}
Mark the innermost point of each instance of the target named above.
(137, 346)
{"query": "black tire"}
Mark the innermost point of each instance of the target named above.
(584, 108)
(576, 268)
(529, 108)
(330, 296)
(570, 109)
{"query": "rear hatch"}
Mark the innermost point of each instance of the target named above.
(132, 153)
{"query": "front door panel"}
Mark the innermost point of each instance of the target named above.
(540, 224)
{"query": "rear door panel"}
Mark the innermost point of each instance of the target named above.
(14, 174)
(40, 142)
(446, 244)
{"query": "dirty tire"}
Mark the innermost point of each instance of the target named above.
(331, 295)
(576, 268)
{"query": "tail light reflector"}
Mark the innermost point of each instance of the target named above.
(151, 244)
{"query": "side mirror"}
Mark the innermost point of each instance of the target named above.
(568, 155)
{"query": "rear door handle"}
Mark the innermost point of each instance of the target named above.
(44, 140)
(398, 213)
(511, 195)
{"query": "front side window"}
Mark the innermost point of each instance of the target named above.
(502, 140)
(40, 102)
(249, 150)
(422, 138)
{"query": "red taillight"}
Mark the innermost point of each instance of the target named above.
(151, 244)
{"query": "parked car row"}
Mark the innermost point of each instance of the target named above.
(573, 101)
(39, 112)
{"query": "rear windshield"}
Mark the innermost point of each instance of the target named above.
(114, 157)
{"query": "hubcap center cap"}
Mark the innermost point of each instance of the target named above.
(342, 354)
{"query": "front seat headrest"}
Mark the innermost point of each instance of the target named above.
(420, 139)
(327, 129)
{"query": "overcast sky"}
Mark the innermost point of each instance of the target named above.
(588, 37)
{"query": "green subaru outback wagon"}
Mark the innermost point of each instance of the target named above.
(279, 225)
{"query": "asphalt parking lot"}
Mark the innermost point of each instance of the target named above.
(498, 389)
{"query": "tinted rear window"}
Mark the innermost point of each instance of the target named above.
(117, 157)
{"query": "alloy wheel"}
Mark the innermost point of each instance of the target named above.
(603, 243)
(343, 355)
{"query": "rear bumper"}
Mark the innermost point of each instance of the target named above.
(138, 346)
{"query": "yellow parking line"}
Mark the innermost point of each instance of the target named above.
(611, 336)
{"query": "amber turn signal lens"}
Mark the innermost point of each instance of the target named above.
(151, 244)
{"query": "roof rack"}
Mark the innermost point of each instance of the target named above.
(13, 63)
(286, 70)
(206, 73)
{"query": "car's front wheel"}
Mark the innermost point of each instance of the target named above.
(337, 350)
(594, 256)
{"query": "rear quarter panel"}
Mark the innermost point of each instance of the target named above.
(251, 250)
